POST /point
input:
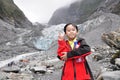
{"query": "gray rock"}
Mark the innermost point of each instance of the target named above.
(22, 76)
(14, 69)
(3, 76)
(117, 61)
(112, 38)
(39, 69)
(114, 75)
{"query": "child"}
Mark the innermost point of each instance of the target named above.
(73, 51)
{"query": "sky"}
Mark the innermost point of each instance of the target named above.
(40, 10)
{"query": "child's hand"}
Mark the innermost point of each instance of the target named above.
(64, 57)
(60, 36)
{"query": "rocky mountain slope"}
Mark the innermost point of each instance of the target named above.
(10, 13)
(80, 11)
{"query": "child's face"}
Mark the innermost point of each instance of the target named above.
(71, 32)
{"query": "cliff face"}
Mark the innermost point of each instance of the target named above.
(79, 12)
(10, 13)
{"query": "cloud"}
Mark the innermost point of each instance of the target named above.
(40, 10)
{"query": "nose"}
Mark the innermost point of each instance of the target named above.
(71, 31)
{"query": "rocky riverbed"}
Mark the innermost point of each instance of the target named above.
(44, 65)
(32, 66)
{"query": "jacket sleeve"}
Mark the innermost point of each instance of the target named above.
(62, 47)
(82, 50)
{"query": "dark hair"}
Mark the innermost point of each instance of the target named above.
(68, 25)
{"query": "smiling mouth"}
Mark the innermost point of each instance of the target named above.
(72, 36)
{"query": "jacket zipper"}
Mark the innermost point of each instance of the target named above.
(73, 62)
(74, 69)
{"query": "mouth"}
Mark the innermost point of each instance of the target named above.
(72, 35)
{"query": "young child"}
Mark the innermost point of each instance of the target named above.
(73, 51)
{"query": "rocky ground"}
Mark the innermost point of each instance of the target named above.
(42, 65)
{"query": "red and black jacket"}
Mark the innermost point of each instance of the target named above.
(76, 66)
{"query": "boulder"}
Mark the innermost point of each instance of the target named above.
(113, 75)
(112, 38)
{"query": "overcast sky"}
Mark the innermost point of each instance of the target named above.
(40, 10)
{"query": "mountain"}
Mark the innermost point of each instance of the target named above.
(77, 12)
(10, 13)
(81, 11)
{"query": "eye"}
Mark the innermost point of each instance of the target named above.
(68, 30)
